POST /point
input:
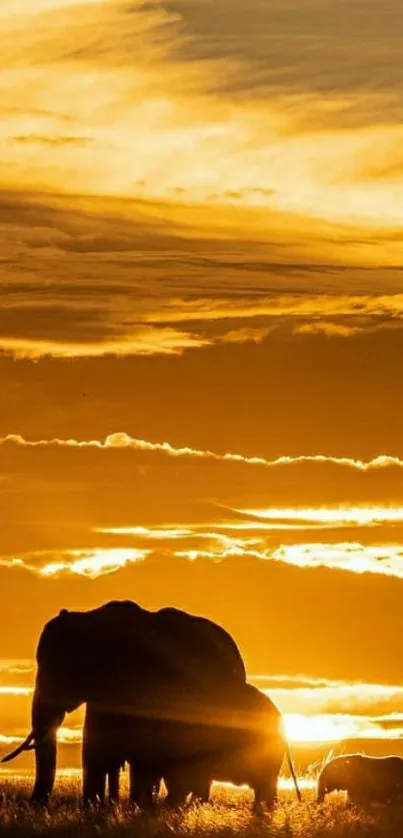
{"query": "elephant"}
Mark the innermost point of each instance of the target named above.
(366, 779)
(246, 745)
(127, 661)
(241, 740)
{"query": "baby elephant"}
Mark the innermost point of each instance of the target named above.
(246, 747)
(365, 779)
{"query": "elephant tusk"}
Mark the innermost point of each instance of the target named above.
(25, 746)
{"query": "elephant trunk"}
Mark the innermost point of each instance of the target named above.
(46, 719)
(321, 790)
(325, 783)
(45, 762)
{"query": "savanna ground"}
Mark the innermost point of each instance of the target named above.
(228, 816)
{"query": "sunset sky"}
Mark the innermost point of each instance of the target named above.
(201, 336)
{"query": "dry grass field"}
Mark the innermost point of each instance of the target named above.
(228, 816)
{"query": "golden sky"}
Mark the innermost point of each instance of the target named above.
(201, 334)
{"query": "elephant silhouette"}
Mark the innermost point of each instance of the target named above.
(366, 779)
(246, 747)
(125, 661)
(239, 738)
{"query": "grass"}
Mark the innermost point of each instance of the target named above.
(228, 816)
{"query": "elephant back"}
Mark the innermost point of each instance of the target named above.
(198, 651)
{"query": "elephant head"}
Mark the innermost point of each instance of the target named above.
(336, 775)
(73, 665)
(61, 686)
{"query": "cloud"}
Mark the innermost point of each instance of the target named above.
(69, 735)
(87, 563)
(295, 47)
(334, 710)
(312, 696)
(284, 146)
(121, 440)
(301, 681)
(14, 690)
(329, 328)
(198, 543)
(51, 141)
(173, 325)
(332, 516)
(146, 341)
(156, 533)
(178, 277)
(65, 736)
(353, 557)
(16, 679)
(92, 563)
(275, 306)
(319, 378)
(16, 666)
(124, 493)
(9, 739)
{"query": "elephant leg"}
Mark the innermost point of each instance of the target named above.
(201, 791)
(113, 784)
(95, 757)
(176, 797)
(265, 793)
(94, 785)
(357, 798)
(143, 786)
(45, 759)
(178, 787)
(200, 783)
(271, 792)
(355, 793)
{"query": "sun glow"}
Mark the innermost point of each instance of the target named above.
(334, 728)
(322, 728)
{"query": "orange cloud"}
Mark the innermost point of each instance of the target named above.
(14, 690)
(146, 341)
(353, 557)
(332, 516)
(123, 440)
(90, 563)
(386, 560)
